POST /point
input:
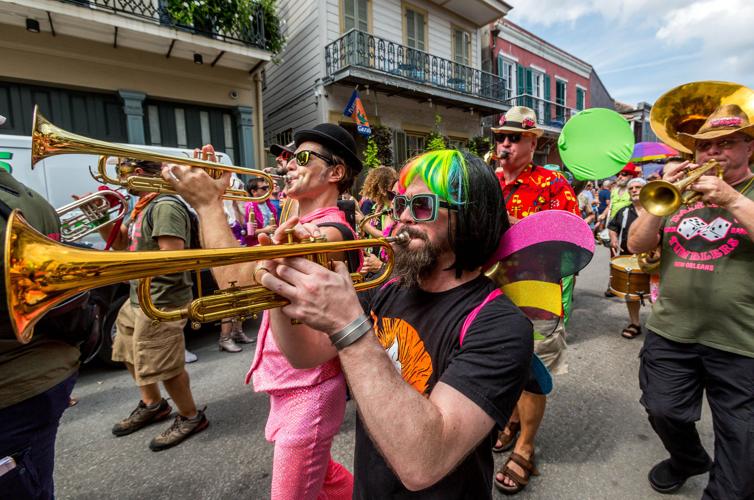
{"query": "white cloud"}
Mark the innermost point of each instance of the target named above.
(617, 11)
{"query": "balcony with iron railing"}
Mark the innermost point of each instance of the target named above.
(249, 30)
(386, 60)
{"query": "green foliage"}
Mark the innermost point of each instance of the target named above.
(236, 18)
(479, 145)
(435, 139)
(370, 154)
(383, 138)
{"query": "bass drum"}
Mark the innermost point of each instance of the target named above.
(627, 280)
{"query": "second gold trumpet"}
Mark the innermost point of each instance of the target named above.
(49, 140)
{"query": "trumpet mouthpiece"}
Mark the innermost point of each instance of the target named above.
(400, 238)
(504, 154)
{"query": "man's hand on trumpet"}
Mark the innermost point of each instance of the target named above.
(716, 191)
(194, 184)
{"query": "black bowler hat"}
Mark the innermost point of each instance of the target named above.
(336, 139)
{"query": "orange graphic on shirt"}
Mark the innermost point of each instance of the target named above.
(407, 351)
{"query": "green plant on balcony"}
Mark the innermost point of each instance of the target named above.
(235, 18)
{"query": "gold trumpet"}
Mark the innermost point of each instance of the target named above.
(49, 140)
(662, 198)
(41, 273)
(87, 212)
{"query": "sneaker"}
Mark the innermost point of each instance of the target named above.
(663, 478)
(181, 429)
(189, 357)
(141, 417)
(241, 338)
(228, 345)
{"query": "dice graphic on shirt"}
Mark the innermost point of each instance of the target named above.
(690, 227)
(717, 229)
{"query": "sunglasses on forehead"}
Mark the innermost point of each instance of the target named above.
(422, 207)
(513, 138)
(285, 155)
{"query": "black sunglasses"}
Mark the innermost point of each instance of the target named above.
(422, 207)
(513, 138)
(303, 157)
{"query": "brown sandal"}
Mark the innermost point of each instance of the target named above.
(507, 439)
(631, 331)
(519, 482)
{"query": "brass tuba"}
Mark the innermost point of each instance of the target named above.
(684, 109)
(41, 273)
(49, 140)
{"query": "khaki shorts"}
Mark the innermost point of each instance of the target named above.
(551, 349)
(156, 352)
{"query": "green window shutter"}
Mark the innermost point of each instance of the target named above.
(500, 66)
(529, 101)
(579, 99)
(363, 15)
(521, 84)
(548, 111)
(349, 14)
(399, 148)
(419, 31)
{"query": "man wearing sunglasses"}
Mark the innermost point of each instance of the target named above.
(434, 358)
(306, 406)
(699, 334)
(527, 189)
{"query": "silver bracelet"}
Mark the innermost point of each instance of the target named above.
(352, 332)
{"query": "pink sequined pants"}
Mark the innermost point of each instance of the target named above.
(302, 424)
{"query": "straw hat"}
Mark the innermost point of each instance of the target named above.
(725, 120)
(519, 119)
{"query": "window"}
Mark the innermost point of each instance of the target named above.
(539, 93)
(457, 143)
(580, 98)
(414, 144)
(507, 70)
(461, 46)
(355, 15)
(415, 28)
(229, 132)
(180, 128)
(285, 137)
(155, 137)
(560, 100)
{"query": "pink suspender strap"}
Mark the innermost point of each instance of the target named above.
(388, 283)
(473, 314)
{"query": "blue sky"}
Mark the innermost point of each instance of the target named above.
(642, 48)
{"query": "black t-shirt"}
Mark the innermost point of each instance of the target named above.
(421, 333)
(620, 224)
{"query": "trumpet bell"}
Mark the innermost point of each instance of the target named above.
(660, 198)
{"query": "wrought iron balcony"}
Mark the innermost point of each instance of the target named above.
(157, 11)
(363, 50)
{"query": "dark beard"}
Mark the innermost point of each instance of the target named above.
(411, 266)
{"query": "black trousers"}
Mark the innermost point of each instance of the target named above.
(672, 377)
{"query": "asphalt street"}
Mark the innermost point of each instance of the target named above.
(595, 441)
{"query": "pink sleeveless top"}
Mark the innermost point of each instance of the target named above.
(270, 369)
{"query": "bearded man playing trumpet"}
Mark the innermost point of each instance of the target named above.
(306, 406)
(700, 330)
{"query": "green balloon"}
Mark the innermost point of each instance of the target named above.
(596, 143)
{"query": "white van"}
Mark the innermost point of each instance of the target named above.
(59, 177)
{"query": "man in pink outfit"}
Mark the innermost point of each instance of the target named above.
(306, 406)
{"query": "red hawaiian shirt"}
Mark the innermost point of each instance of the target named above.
(536, 189)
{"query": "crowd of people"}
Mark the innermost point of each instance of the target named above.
(437, 360)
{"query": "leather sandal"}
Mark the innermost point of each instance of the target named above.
(507, 437)
(519, 481)
(631, 331)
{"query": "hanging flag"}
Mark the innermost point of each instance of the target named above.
(355, 109)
